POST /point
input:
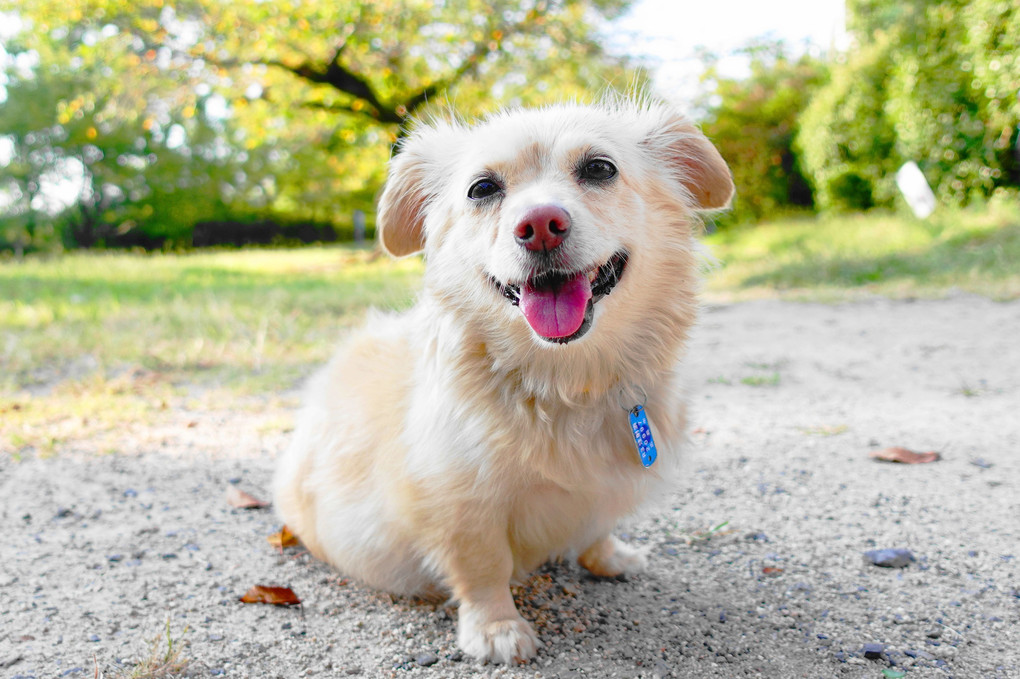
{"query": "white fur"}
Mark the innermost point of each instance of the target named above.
(449, 448)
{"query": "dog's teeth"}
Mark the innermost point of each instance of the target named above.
(592, 275)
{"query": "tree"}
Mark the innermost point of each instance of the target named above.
(312, 93)
(933, 82)
(753, 122)
(95, 112)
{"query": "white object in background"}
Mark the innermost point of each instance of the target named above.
(915, 189)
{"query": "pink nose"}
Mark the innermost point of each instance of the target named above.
(543, 228)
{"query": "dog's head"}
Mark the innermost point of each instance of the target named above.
(531, 218)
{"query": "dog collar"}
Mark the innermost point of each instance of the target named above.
(641, 430)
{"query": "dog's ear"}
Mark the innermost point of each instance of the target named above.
(415, 175)
(400, 219)
(694, 161)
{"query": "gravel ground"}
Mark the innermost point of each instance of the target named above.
(102, 551)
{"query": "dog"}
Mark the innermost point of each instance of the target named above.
(508, 417)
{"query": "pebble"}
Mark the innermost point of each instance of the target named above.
(890, 558)
(426, 659)
(873, 651)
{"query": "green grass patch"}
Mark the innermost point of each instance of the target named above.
(833, 258)
(89, 341)
(770, 380)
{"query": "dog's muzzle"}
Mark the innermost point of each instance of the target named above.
(558, 305)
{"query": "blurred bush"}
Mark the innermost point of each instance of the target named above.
(933, 82)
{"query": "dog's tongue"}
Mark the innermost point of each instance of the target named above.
(557, 312)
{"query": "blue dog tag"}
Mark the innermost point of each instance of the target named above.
(642, 432)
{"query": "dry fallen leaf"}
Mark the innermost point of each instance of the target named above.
(242, 500)
(770, 570)
(283, 539)
(277, 596)
(904, 456)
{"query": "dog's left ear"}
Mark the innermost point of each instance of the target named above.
(695, 162)
(415, 174)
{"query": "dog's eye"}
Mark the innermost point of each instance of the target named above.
(483, 188)
(598, 170)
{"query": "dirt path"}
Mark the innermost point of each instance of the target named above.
(787, 401)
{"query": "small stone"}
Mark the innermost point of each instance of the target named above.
(873, 651)
(215, 637)
(10, 662)
(352, 671)
(890, 558)
(426, 659)
(93, 637)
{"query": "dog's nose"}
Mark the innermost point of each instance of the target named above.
(543, 228)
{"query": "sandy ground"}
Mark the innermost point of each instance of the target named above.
(100, 551)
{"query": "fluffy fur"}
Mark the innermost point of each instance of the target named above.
(451, 449)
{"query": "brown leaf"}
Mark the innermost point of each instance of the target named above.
(277, 596)
(904, 456)
(770, 570)
(283, 539)
(242, 500)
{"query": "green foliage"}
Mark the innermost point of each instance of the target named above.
(753, 122)
(933, 82)
(206, 110)
(846, 141)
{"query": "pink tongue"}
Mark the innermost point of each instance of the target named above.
(560, 312)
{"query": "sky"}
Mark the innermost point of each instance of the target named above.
(666, 33)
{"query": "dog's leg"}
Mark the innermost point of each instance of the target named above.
(479, 568)
(609, 557)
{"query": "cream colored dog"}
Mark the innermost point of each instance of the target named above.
(460, 444)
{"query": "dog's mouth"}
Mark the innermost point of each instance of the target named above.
(559, 305)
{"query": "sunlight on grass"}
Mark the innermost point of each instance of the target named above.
(839, 257)
(89, 341)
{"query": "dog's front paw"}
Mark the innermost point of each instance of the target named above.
(609, 558)
(496, 641)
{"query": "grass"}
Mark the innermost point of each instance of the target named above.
(165, 658)
(835, 258)
(91, 342)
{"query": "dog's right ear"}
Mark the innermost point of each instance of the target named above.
(414, 177)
